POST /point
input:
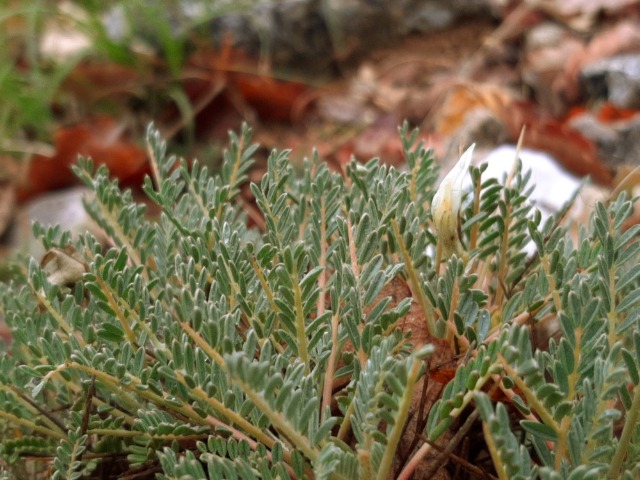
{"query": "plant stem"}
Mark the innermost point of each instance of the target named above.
(220, 409)
(44, 301)
(322, 260)
(35, 409)
(36, 428)
(116, 432)
(270, 296)
(401, 418)
(279, 422)
(562, 448)
(121, 238)
(208, 349)
(552, 283)
(536, 405)
(473, 237)
(215, 404)
(612, 315)
(414, 281)
(630, 424)
(327, 389)
(416, 459)
(119, 313)
(301, 330)
(115, 385)
(504, 247)
(345, 426)
(265, 285)
(353, 254)
(493, 450)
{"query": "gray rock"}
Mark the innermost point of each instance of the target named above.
(618, 143)
(428, 16)
(64, 208)
(616, 79)
(314, 35)
(303, 35)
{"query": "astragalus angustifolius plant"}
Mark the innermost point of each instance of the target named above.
(324, 325)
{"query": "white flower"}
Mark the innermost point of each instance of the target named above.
(446, 206)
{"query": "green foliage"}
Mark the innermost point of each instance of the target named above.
(32, 82)
(26, 92)
(214, 349)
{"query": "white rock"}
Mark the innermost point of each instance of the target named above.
(553, 185)
(64, 208)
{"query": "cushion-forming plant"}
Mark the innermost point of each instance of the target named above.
(263, 332)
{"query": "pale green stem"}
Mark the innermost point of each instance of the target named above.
(210, 351)
(280, 422)
(215, 404)
(301, 333)
(132, 313)
(493, 450)
(14, 392)
(265, 285)
(612, 315)
(630, 424)
(327, 389)
(123, 239)
(270, 296)
(233, 177)
(36, 428)
(414, 281)
(552, 283)
(235, 288)
(473, 237)
(113, 303)
(562, 448)
(53, 312)
(401, 418)
(535, 404)
(345, 426)
(232, 416)
(108, 432)
(117, 386)
(504, 248)
(353, 254)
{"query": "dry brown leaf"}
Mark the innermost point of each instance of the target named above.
(103, 139)
(465, 97)
(92, 81)
(244, 81)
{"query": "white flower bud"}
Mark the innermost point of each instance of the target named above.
(445, 207)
